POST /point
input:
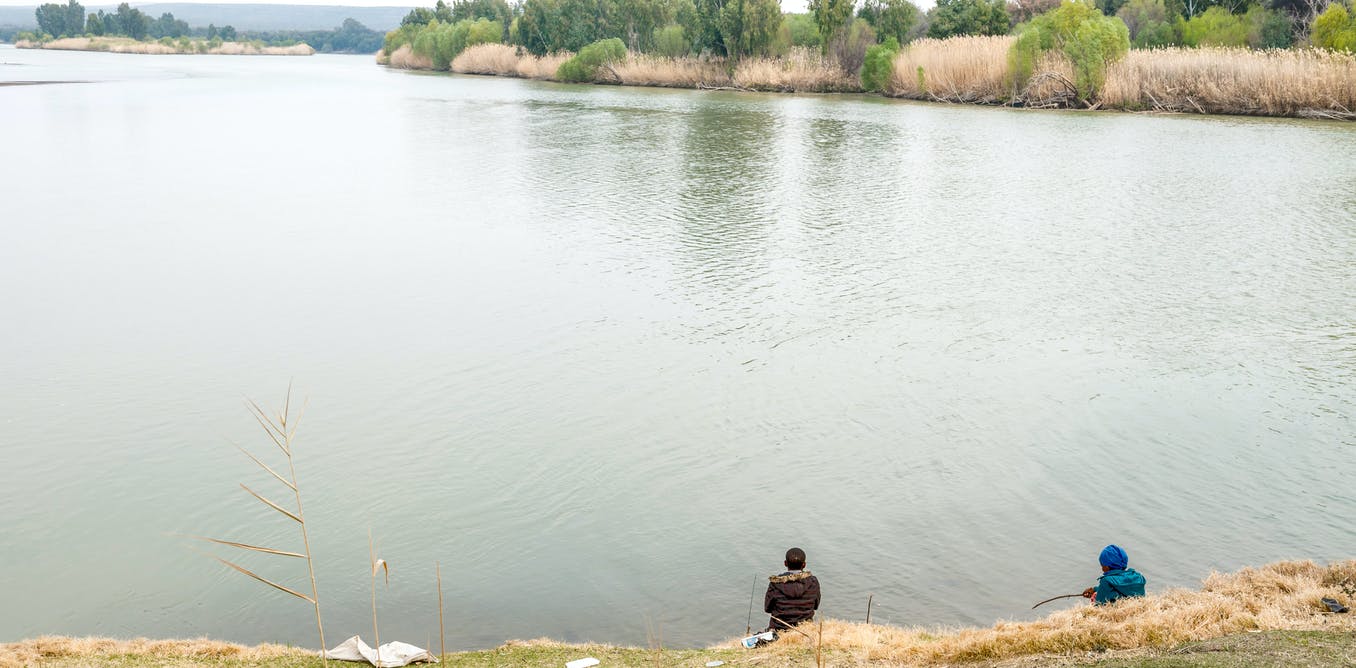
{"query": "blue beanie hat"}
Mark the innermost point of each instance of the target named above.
(1114, 558)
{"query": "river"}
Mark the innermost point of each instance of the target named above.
(603, 354)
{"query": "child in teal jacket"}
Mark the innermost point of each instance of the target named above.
(1118, 579)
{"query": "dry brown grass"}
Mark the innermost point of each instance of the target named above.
(957, 69)
(1280, 596)
(689, 72)
(40, 650)
(803, 70)
(406, 59)
(1299, 82)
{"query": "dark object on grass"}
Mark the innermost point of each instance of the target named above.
(1055, 599)
(1333, 605)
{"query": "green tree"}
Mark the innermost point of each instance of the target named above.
(708, 25)
(750, 27)
(1334, 29)
(670, 41)
(66, 20)
(228, 33)
(800, 30)
(94, 25)
(1089, 40)
(1149, 23)
(968, 17)
(890, 18)
(132, 22)
(1214, 27)
(830, 17)
(879, 65)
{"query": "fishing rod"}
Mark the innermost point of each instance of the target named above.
(748, 627)
(1055, 599)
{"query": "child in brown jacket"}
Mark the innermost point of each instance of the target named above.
(793, 596)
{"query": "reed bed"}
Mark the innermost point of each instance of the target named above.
(1280, 596)
(406, 59)
(803, 70)
(129, 45)
(689, 72)
(1296, 82)
(497, 59)
(541, 67)
(957, 69)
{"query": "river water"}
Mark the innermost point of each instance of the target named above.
(602, 354)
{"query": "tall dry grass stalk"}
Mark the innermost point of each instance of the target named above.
(377, 565)
(957, 69)
(1280, 596)
(1297, 82)
(282, 430)
(803, 70)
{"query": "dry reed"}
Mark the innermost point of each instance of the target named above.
(497, 59)
(1297, 82)
(282, 430)
(405, 58)
(803, 70)
(957, 69)
(690, 72)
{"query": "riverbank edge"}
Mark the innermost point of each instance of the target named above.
(957, 72)
(1282, 600)
(1297, 649)
(118, 45)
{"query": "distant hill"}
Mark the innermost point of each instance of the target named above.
(243, 17)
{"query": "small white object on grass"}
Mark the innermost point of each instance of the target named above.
(582, 663)
(713, 664)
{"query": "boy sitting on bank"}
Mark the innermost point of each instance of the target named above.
(1118, 579)
(793, 596)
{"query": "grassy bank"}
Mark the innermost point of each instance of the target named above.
(182, 46)
(1266, 616)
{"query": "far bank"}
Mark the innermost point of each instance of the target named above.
(182, 46)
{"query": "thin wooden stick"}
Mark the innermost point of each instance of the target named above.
(748, 627)
(868, 607)
(1054, 599)
(442, 638)
(819, 646)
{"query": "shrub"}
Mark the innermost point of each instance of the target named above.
(1089, 40)
(670, 41)
(584, 65)
(878, 65)
(1214, 27)
(1334, 29)
(1148, 23)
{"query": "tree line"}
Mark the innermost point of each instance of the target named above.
(845, 30)
(71, 20)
